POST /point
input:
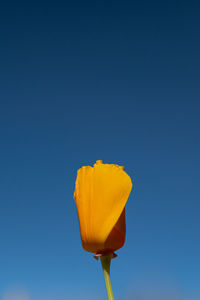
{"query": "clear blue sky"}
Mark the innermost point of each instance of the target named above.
(111, 80)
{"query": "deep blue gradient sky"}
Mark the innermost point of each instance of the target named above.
(111, 80)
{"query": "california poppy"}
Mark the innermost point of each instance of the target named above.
(101, 193)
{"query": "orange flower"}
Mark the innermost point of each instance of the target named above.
(101, 193)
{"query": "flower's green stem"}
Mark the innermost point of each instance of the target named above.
(105, 261)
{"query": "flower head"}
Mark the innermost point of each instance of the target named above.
(101, 193)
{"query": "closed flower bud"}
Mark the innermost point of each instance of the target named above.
(101, 193)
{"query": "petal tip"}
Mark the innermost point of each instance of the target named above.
(98, 162)
(122, 168)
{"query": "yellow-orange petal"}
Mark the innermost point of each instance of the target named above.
(116, 237)
(101, 193)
